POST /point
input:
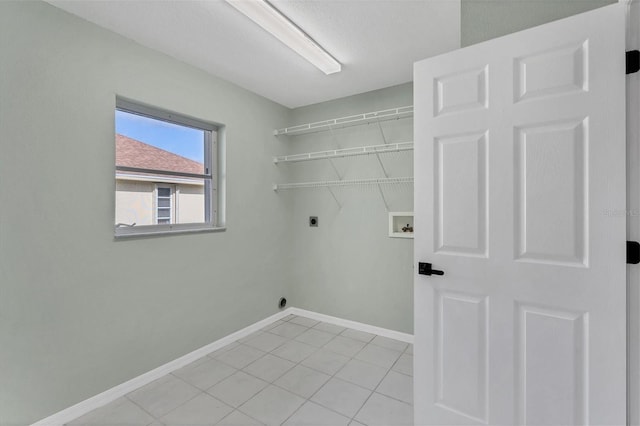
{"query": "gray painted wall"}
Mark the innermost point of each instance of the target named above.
(80, 312)
(482, 20)
(348, 266)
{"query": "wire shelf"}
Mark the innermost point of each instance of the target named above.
(336, 183)
(352, 120)
(345, 152)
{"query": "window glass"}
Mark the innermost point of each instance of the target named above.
(150, 143)
(164, 172)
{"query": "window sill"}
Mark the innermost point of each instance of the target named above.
(164, 230)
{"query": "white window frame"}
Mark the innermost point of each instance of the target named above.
(213, 176)
(172, 202)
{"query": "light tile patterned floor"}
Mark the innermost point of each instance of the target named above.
(294, 372)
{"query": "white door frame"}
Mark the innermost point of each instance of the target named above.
(633, 217)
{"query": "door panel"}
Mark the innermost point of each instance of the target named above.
(461, 182)
(461, 350)
(557, 71)
(461, 91)
(552, 372)
(519, 155)
(551, 192)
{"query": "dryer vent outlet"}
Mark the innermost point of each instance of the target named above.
(282, 303)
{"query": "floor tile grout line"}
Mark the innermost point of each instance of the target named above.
(175, 408)
(293, 338)
(210, 354)
(294, 412)
(242, 412)
(194, 397)
(331, 409)
(334, 375)
(384, 394)
(394, 398)
(351, 418)
(388, 369)
(362, 406)
(374, 391)
(242, 344)
(404, 374)
(296, 364)
(378, 385)
(345, 329)
(134, 403)
(236, 372)
(153, 415)
(270, 382)
(389, 396)
(331, 376)
(313, 394)
(350, 358)
(289, 339)
(126, 398)
(400, 372)
(191, 384)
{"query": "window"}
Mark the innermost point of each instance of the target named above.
(164, 204)
(166, 172)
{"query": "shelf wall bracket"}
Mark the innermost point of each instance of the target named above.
(386, 175)
(333, 136)
(334, 197)
(384, 200)
(384, 138)
(335, 169)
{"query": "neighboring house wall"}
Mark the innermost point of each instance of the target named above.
(135, 202)
(190, 203)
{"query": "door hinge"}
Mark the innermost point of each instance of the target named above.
(633, 61)
(633, 252)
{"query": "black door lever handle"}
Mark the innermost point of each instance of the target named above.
(426, 269)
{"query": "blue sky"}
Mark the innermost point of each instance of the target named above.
(180, 140)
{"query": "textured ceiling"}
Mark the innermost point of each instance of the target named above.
(377, 41)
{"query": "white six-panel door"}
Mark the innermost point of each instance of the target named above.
(520, 200)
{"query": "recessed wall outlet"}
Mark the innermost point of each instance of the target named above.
(313, 221)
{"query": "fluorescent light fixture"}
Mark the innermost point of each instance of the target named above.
(264, 14)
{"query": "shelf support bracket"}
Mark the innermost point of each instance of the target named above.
(335, 169)
(382, 165)
(384, 138)
(333, 136)
(384, 200)
(334, 197)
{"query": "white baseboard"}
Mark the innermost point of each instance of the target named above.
(110, 395)
(392, 334)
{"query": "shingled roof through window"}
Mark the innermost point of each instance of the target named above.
(134, 153)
